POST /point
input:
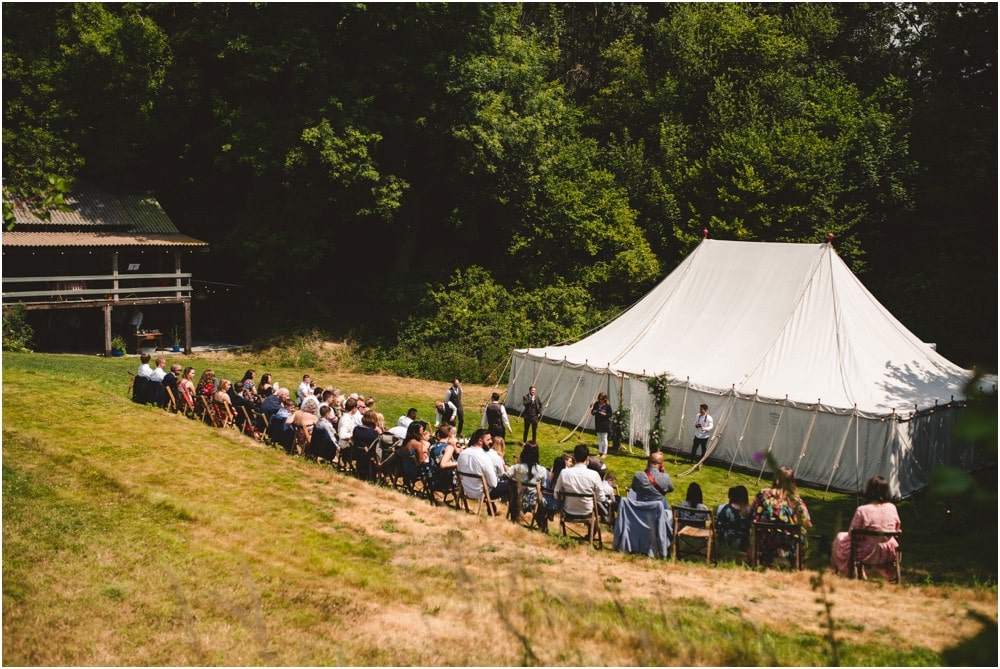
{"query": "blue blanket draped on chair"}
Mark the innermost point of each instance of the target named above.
(643, 528)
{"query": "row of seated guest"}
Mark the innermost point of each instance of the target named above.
(733, 518)
(778, 504)
(147, 387)
(607, 500)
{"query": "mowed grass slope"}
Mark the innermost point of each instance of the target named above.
(133, 537)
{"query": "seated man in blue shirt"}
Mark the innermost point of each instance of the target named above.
(653, 483)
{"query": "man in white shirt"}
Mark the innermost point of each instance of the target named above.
(446, 413)
(411, 415)
(348, 421)
(474, 460)
(144, 369)
(304, 391)
(703, 425)
(160, 371)
(583, 480)
(402, 425)
(495, 417)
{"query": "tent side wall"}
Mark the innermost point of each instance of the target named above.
(828, 449)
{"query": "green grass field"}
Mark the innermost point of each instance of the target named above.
(133, 537)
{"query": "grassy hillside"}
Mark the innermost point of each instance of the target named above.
(135, 537)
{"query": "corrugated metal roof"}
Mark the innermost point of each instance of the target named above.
(99, 219)
(17, 239)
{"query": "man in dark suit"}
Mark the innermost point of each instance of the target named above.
(532, 414)
(170, 383)
(454, 395)
(238, 400)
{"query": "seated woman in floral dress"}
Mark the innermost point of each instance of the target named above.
(206, 384)
(780, 504)
(205, 389)
(249, 389)
(879, 513)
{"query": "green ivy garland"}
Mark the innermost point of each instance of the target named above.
(659, 388)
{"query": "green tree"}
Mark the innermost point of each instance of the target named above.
(80, 84)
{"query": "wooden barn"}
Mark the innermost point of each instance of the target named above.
(110, 267)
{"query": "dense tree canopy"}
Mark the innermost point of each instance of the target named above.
(507, 174)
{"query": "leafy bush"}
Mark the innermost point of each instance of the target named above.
(473, 325)
(469, 327)
(17, 332)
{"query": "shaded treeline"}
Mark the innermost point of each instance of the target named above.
(445, 181)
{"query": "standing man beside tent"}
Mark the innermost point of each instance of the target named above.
(703, 425)
(454, 395)
(532, 414)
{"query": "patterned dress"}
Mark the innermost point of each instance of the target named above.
(772, 505)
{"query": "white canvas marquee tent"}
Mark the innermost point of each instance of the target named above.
(791, 353)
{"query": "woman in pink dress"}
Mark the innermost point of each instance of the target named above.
(878, 514)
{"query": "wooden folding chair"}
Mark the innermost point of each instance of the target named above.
(222, 415)
(385, 464)
(302, 437)
(364, 459)
(484, 500)
(131, 385)
(345, 457)
(185, 404)
(515, 507)
(443, 483)
(592, 520)
(412, 483)
(856, 567)
(694, 532)
(248, 424)
(769, 540)
(171, 400)
(203, 410)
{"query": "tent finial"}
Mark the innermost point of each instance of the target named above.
(704, 233)
(829, 238)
